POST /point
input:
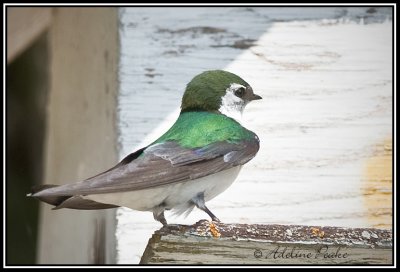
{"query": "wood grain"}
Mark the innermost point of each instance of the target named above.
(377, 189)
(267, 244)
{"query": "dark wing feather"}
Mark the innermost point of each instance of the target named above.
(79, 203)
(162, 164)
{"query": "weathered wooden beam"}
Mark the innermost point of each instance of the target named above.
(218, 243)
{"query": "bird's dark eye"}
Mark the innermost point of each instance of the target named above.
(240, 92)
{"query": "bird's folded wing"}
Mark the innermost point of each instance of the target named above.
(162, 164)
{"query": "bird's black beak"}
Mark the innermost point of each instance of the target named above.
(256, 97)
(251, 95)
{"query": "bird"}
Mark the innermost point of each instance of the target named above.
(198, 158)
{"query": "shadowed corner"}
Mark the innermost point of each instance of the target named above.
(26, 97)
(45, 135)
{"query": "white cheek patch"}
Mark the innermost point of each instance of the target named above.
(231, 105)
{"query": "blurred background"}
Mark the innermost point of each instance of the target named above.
(87, 86)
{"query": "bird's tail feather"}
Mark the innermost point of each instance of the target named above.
(69, 201)
(52, 200)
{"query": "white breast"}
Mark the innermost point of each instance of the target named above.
(175, 195)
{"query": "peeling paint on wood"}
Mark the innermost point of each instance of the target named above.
(377, 187)
(267, 244)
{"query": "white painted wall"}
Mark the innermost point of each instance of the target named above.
(325, 76)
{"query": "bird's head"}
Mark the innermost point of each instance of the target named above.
(218, 91)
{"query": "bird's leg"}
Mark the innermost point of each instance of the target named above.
(213, 217)
(158, 214)
(160, 218)
(201, 204)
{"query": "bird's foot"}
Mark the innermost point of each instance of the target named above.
(201, 204)
(159, 216)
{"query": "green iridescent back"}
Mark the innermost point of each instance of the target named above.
(200, 128)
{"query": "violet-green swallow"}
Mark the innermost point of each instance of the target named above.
(194, 161)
